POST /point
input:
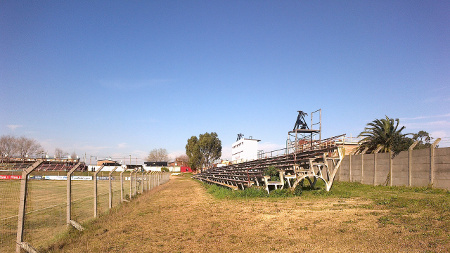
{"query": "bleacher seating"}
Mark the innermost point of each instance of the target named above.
(307, 161)
(47, 165)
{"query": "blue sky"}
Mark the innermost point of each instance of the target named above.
(120, 78)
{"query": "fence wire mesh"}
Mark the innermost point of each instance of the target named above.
(82, 206)
(9, 208)
(46, 214)
(45, 210)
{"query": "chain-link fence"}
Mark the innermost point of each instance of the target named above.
(10, 193)
(37, 206)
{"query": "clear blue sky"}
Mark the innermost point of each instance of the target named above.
(120, 78)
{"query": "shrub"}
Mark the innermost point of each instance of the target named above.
(273, 173)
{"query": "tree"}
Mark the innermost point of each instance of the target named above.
(193, 153)
(182, 160)
(8, 146)
(424, 139)
(210, 148)
(203, 151)
(158, 155)
(59, 153)
(385, 133)
(27, 147)
(74, 155)
(22, 147)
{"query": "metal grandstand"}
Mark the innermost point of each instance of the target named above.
(46, 165)
(306, 156)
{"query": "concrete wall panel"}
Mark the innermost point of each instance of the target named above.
(420, 171)
(421, 152)
(382, 171)
(443, 184)
(440, 159)
(442, 171)
(442, 152)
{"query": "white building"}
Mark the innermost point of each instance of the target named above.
(244, 150)
(107, 167)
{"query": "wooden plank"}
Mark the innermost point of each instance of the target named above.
(222, 184)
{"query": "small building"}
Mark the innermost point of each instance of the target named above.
(107, 162)
(244, 149)
(157, 166)
(108, 165)
(350, 144)
(179, 162)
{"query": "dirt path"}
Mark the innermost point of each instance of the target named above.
(181, 217)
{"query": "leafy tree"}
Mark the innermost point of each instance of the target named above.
(158, 155)
(273, 172)
(204, 150)
(164, 169)
(424, 139)
(210, 148)
(193, 153)
(385, 133)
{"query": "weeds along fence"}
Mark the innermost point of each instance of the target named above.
(39, 206)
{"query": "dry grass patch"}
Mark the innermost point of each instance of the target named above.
(181, 216)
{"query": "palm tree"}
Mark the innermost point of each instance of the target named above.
(384, 133)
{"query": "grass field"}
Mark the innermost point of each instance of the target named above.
(187, 216)
(46, 208)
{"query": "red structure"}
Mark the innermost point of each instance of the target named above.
(185, 169)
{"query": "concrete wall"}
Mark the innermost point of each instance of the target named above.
(409, 168)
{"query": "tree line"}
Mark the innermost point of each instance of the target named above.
(19, 147)
(23, 148)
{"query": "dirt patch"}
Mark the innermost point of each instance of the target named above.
(181, 217)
